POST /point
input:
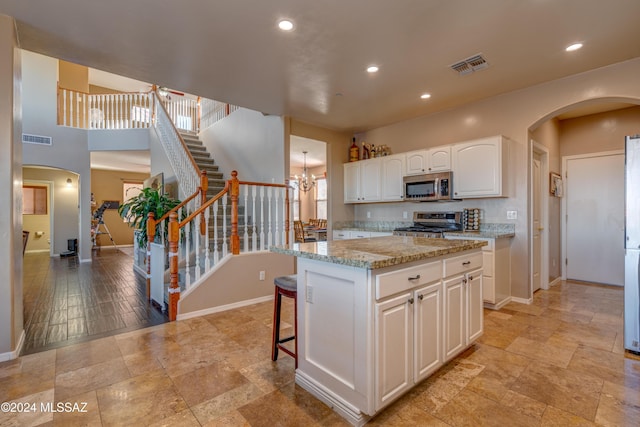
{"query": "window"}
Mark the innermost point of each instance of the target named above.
(130, 190)
(34, 200)
(321, 198)
(296, 201)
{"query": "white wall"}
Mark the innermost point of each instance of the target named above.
(69, 150)
(513, 115)
(251, 143)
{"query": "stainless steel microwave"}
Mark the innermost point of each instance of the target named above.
(431, 187)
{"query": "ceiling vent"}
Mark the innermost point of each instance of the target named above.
(36, 139)
(471, 64)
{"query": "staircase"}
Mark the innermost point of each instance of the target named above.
(205, 162)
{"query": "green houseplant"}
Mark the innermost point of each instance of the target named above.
(136, 210)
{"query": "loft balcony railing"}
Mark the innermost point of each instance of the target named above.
(133, 110)
(244, 217)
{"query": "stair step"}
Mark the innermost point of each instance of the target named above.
(197, 148)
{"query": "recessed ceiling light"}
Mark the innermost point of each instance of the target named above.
(285, 25)
(425, 96)
(372, 69)
(573, 47)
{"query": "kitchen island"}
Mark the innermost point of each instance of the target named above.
(376, 316)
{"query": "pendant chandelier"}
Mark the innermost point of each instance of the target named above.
(304, 183)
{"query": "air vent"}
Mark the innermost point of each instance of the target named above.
(36, 139)
(471, 64)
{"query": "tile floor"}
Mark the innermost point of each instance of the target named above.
(557, 362)
(67, 302)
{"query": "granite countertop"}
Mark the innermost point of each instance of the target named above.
(484, 234)
(378, 252)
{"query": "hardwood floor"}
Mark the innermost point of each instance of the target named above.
(67, 302)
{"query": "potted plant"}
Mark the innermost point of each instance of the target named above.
(136, 211)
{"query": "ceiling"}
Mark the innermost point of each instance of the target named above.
(233, 52)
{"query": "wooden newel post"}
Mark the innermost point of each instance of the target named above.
(151, 232)
(174, 288)
(204, 186)
(235, 192)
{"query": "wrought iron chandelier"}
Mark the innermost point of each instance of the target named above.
(304, 183)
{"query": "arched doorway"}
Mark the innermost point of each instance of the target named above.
(568, 130)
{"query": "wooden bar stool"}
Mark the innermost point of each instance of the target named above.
(287, 286)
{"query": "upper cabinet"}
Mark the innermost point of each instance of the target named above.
(481, 168)
(426, 161)
(362, 181)
(393, 170)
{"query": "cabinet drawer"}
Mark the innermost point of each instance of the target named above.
(462, 264)
(487, 263)
(407, 278)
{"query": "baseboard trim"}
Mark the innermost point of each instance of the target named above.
(10, 355)
(527, 301)
(220, 308)
(499, 305)
(347, 411)
(555, 281)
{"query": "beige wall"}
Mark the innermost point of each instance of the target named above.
(107, 185)
(73, 76)
(598, 132)
(237, 279)
(512, 114)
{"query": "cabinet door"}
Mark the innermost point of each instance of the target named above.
(351, 182)
(370, 180)
(454, 317)
(417, 162)
(340, 234)
(394, 348)
(393, 168)
(359, 234)
(474, 305)
(440, 159)
(477, 167)
(428, 331)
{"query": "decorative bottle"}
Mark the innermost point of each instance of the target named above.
(354, 152)
(365, 150)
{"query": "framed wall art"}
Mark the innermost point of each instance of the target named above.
(555, 184)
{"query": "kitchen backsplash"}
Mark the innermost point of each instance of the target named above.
(392, 225)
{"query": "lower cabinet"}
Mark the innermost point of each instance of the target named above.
(409, 340)
(463, 320)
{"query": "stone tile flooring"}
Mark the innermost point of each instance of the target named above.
(557, 362)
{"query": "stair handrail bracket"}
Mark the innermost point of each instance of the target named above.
(195, 244)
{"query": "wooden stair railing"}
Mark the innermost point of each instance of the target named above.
(178, 228)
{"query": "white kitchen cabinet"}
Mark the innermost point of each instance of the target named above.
(428, 331)
(496, 270)
(463, 322)
(427, 161)
(480, 168)
(394, 331)
(362, 181)
(393, 170)
(408, 328)
(462, 305)
(340, 234)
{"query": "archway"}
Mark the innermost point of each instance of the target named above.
(546, 134)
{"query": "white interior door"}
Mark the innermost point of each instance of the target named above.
(595, 219)
(537, 222)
